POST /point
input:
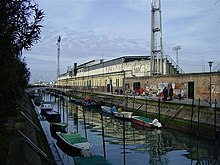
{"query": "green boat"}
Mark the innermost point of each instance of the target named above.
(73, 142)
(91, 160)
(141, 120)
(58, 127)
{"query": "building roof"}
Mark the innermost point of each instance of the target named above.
(112, 62)
(96, 64)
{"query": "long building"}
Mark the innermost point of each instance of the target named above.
(132, 74)
(107, 75)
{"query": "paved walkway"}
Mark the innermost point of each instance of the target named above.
(205, 103)
(182, 101)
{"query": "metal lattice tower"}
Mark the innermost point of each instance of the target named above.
(156, 38)
(176, 49)
(58, 56)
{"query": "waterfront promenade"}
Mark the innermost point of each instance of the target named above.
(184, 101)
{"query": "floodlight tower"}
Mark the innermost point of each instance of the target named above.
(156, 38)
(176, 49)
(58, 56)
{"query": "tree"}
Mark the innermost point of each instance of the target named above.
(19, 29)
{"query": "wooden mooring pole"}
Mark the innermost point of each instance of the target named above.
(159, 109)
(103, 135)
(192, 114)
(198, 116)
(84, 119)
(215, 130)
(124, 140)
(146, 106)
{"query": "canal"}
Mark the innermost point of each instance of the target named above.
(130, 144)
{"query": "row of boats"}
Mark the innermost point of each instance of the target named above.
(78, 145)
(72, 143)
(140, 120)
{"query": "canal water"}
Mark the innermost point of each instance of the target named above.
(141, 146)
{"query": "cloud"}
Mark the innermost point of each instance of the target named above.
(80, 46)
(113, 28)
(139, 6)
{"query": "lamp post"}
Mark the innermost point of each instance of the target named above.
(210, 94)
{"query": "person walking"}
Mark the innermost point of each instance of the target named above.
(165, 93)
(170, 93)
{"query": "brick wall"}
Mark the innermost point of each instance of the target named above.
(180, 83)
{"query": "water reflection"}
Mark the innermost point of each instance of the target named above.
(160, 145)
(143, 146)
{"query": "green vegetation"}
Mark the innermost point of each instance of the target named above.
(5, 140)
(19, 29)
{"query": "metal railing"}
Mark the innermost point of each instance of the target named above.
(216, 68)
(180, 70)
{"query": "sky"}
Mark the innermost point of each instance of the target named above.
(108, 29)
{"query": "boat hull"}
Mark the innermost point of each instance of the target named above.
(78, 102)
(142, 121)
(92, 160)
(106, 109)
(52, 116)
(123, 114)
(43, 111)
(58, 127)
(45, 106)
(71, 148)
(75, 101)
(67, 150)
(88, 102)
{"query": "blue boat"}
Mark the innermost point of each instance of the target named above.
(108, 110)
(88, 102)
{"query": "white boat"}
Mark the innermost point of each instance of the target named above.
(46, 106)
(108, 110)
(125, 114)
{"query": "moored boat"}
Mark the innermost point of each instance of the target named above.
(73, 142)
(58, 127)
(91, 160)
(88, 102)
(78, 101)
(123, 114)
(37, 101)
(141, 120)
(52, 116)
(108, 110)
(45, 106)
(75, 101)
(72, 100)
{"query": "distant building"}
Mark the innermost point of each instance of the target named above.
(41, 83)
(103, 75)
(131, 74)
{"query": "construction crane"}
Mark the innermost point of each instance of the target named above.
(58, 56)
(156, 38)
